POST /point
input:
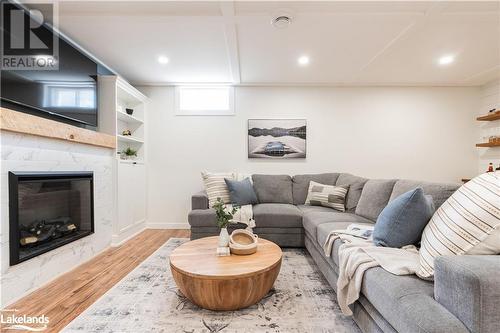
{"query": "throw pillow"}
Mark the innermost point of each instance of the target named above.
(241, 192)
(402, 221)
(466, 223)
(215, 186)
(327, 196)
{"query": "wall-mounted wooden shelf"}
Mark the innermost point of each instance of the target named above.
(19, 122)
(488, 144)
(490, 117)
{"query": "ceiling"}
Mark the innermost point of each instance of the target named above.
(348, 42)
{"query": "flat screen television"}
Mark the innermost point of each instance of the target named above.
(67, 94)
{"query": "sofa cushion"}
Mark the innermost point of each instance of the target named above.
(408, 303)
(327, 196)
(307, 209)
(440, 192)
(312, 219)
(355, 187)
(273, 188)
(300, 184)
(241, 192)
(215, 186)
(402, 221)
(470, 217)
(374, 197)
(272, 215)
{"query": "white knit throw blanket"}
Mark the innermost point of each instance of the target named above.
(357, 255)
(243, 215)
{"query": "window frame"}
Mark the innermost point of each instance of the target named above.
(228, 112)
(51, 92)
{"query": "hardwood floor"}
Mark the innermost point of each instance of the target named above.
(63, 299)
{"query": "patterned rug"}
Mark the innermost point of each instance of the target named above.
(147, 300)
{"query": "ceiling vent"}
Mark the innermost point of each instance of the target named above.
(281, 21)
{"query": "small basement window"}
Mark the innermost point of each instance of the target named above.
(204, 101)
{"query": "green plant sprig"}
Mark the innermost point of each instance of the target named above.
(130, 152)
(223, 215)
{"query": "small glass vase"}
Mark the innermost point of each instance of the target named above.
(223, 238)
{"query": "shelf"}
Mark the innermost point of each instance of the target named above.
(490, 117)
(128, 118)
(488, 144)
(130, 161)
(123, 138)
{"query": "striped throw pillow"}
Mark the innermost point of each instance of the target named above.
(467, 223)
(327, 196)
(216, 187)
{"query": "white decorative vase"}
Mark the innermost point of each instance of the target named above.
(223, 238)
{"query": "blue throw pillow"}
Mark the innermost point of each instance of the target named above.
(241, 192)
(403, 220)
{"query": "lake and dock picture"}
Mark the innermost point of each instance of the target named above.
(277, 138)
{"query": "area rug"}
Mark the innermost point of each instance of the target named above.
(147, 300)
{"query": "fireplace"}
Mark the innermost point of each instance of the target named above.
(48, 210)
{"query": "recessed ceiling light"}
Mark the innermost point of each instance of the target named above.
(446, 60)
(281, 21)
(303, 60)
(163, 60)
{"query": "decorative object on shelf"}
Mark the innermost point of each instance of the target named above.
(129, 111)
(126, 132)
(277, 138)
(128, 154)
(243, 242)
(491, 136)
(224, 216)
(490, 167)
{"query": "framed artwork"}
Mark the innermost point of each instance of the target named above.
(277, 138)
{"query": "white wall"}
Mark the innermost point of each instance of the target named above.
(418, 133)
(490, 99)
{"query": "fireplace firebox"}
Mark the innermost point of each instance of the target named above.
(48, 210)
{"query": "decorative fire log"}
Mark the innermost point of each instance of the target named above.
(41, 231)
(28, 240)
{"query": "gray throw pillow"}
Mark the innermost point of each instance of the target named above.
(241, 192)
(403, 220)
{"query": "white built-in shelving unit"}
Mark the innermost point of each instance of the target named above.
(115, 96)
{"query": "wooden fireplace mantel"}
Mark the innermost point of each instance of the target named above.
(19, 122)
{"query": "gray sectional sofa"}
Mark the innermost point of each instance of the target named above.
(462, 298)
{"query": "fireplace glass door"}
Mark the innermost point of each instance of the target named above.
(48, 210)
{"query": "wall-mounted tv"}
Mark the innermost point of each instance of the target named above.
(67, 94)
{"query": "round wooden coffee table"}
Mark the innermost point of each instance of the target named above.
(224, 283)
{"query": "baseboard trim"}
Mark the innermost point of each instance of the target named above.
(128, 233)
(156, 225)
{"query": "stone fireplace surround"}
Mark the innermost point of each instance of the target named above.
(25, 152)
